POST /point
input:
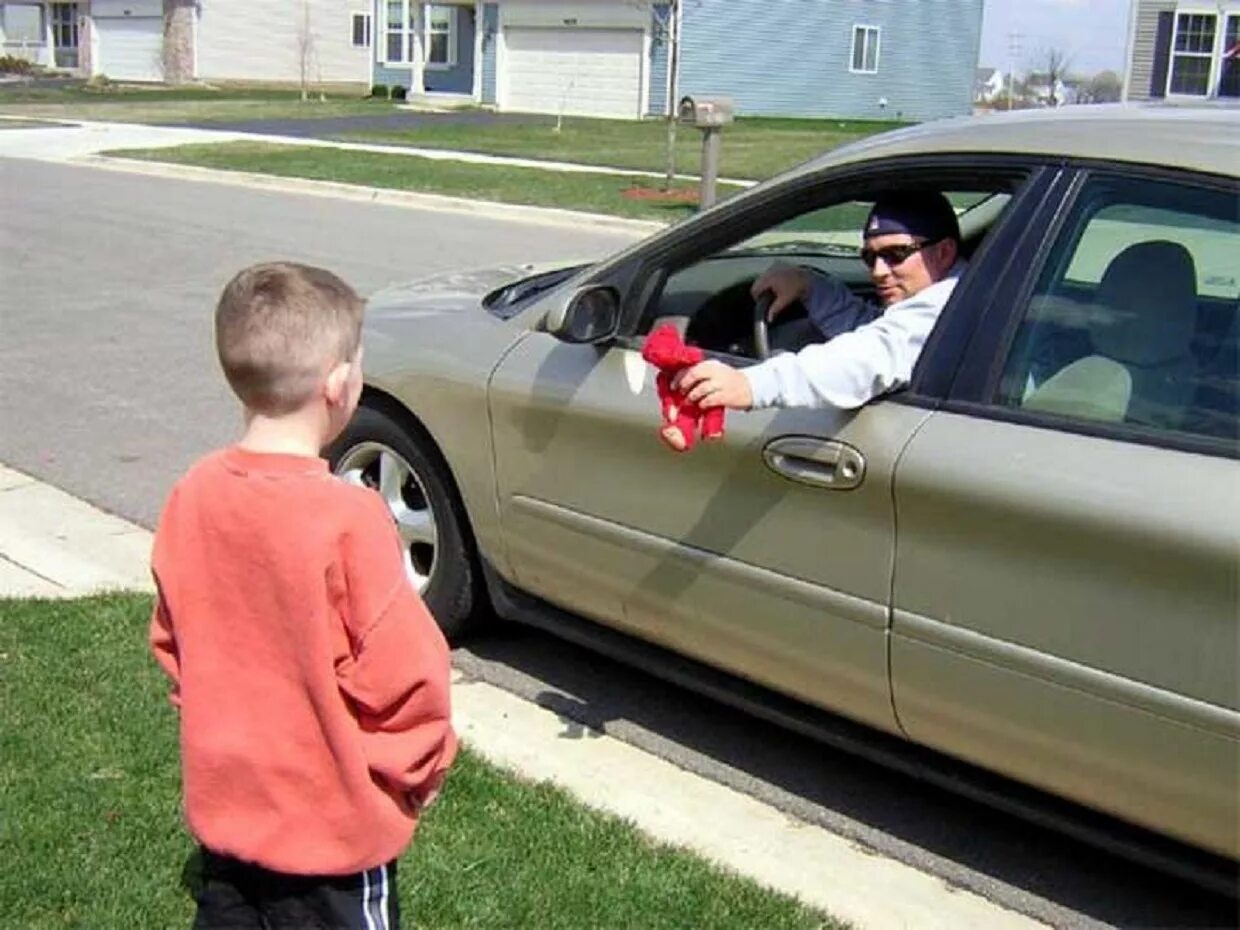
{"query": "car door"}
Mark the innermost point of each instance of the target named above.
(768, 553)
(1066, 576)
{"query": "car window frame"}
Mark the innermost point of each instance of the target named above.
(692, 242)
(975, 386)
(1021, 229)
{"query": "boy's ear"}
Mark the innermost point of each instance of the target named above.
(336, 386)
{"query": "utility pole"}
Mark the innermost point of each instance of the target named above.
(671, 31)
(1014, 49)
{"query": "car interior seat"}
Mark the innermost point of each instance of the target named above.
(1141, 368)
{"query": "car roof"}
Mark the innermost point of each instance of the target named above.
(1193, 138)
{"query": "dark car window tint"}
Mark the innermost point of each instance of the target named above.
(1135, 320)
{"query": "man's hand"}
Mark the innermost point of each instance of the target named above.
(787, 283)
(714, 384)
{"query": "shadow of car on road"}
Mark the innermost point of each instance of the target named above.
(1026, 867)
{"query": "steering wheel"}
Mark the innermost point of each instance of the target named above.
(761, 325)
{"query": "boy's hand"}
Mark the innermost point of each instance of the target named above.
(423, 798)
(714, 384)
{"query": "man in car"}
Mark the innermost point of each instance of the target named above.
(912, 248)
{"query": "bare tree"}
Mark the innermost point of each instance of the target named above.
(305, 50)
(1056, 69)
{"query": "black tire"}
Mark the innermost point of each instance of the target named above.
(453, 589)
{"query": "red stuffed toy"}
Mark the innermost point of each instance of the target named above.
(665, 350)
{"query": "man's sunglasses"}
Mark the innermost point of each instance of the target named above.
(894, 255)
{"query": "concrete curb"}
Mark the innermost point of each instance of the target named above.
(53, 545)
(377, 195)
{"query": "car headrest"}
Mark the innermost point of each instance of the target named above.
(1148, 304)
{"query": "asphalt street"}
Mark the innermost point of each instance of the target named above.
(109, 389)
(110, 281)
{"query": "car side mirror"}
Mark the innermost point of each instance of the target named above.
(592, 314)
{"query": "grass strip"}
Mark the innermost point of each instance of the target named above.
(752, 148)
(594, 193)
(91, 833)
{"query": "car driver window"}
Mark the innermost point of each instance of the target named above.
(709, 300)
(1135, 318)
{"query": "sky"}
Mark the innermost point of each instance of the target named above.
(1092, 33)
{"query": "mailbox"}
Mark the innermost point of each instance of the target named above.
(705, 112)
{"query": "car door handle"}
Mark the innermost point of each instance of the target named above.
(822, 463)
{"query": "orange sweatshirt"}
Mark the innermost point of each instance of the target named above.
(311, 680)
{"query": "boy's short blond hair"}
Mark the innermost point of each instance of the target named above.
(280, 328)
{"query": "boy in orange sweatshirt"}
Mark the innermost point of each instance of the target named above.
(311, 681)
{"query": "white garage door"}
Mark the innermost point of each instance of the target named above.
(131, 48)
(582, 72)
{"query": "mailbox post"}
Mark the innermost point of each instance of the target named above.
(709, 114)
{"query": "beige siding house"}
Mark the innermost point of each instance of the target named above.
(242, 40)
(175, 41)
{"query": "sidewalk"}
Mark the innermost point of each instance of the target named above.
(80, 143)
(53, 545)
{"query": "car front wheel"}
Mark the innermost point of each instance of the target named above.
(403, 466)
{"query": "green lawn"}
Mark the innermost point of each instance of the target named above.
(595, 193)
(178, 105)
(751, 149)
(91, 834)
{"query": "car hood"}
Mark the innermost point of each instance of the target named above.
(451, 291)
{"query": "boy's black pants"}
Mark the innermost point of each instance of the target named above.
(236, 895)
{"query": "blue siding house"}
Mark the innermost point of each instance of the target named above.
(910, 59)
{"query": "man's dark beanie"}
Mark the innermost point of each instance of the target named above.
(924, 214)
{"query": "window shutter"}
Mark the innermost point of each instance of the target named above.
(1162, 53)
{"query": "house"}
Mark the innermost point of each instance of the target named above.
(175, 41)
(39, 34)
(907, 59)
(850, 58)
(988, 85)
(1183, 50)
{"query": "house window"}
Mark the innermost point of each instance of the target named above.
(23, 23)
(399, 25)
(1229, 71)
(65, 34)
(361, 30)
(864, 50)
(1192, 54)
(441, 37)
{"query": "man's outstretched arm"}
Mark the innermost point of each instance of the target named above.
(846, 372)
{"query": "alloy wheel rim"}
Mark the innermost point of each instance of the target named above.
(379, 467)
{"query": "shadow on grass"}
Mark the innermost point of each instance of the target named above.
(191, 873)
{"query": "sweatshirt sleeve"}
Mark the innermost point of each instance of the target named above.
(855, 367)
(164, 645)
(398, 676)
(834, 309)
